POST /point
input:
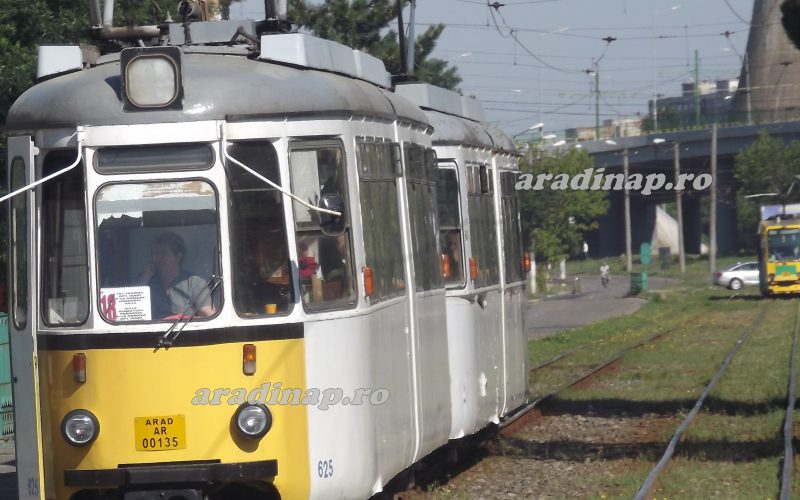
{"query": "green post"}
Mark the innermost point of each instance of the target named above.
(644, 257)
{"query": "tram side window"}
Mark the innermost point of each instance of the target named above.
(450, 240)
(262, 281)
(158, 248)
(512, 239)
(65, 272)
(482, 225)
(421, 177)
(327, 278)
(19, 245)
(378, 169)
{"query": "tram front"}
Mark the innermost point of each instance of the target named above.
(151, 295)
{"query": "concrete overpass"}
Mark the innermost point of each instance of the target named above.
(646, 156)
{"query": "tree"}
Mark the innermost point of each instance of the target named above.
(24, 26)
(359, 23)
(791, 20)
(767, 167)
(555, 220)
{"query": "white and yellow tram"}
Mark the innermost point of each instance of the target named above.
(240, 271)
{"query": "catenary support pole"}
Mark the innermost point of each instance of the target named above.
(712, 230)
(679, 206)
(628, 254)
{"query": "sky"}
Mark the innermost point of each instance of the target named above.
(537, 73)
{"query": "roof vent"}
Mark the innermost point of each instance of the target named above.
(303, 50)
(58, 59)
(436, 98)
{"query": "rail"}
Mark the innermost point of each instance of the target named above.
(788, 449)
(673, 443)
(538, 402)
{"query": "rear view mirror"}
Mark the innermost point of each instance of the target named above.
(332, 225)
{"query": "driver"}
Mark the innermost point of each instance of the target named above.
(173, 289)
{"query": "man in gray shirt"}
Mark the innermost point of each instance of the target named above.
(172, 289)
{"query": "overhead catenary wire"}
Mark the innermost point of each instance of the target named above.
(513, 35)
(586, 37)
(730, 7)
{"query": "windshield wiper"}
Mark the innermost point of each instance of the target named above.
(168, 339)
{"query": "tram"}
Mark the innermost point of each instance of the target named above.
(779, 255)
(247, 266)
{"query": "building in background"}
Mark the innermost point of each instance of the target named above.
(715, 103)
(621, 127)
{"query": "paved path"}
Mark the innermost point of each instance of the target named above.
(551, 315)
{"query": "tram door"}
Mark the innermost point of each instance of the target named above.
(22, 331)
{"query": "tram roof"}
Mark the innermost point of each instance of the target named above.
(451, 130)
(216, 87)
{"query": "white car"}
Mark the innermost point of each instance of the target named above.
(738, 275)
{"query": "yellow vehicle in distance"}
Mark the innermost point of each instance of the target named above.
(779, 254)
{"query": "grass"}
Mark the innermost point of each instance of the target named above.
(733, 449)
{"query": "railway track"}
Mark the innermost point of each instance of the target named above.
(646, 488)
(649, 482)
(594, 371)
(449, 464)
(507, 430)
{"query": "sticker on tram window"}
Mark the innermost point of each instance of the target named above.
(160, 433)
(125, 304)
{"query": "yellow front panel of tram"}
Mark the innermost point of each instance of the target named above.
(125, 386)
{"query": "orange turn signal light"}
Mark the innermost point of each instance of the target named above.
(79, 367)
(473, 269)
(447, 271)
(369, 287)
(249, 359)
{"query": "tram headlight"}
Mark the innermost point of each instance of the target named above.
(253, 421)
(151, 78)
(80, 427)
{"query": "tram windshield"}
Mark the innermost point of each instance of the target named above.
(157, 251)
(783, 244)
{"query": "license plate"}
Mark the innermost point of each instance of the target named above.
(160, 433)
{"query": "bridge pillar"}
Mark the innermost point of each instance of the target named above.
(643, 222)
(692, 227)
(609, 239)
(727, 234)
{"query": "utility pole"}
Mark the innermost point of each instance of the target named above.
(679, 202)
(410, 56)
(628, 253)
(747, 76)
(402, 39)
(596, 102)
(696, 87)
(712, 230)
